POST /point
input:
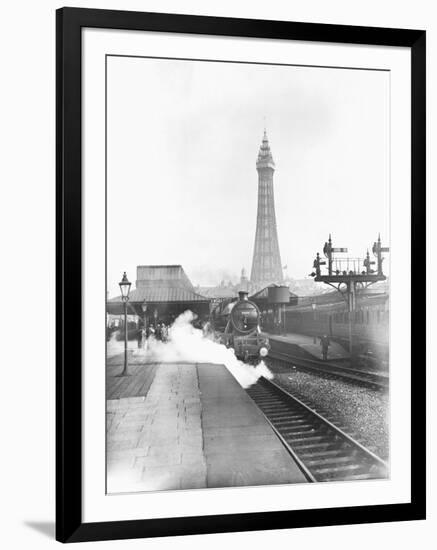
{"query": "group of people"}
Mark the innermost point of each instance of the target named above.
(270, 323)
(157, 332)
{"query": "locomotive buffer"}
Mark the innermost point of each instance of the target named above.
(349, 275)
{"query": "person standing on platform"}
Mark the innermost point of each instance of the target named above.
(324, 343)
(158, 332)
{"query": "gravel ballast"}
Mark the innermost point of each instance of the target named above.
(362, 412)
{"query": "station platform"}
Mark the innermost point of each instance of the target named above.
(307, 344)
(188, 426)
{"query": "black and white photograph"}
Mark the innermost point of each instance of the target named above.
(247, 274)
(217, 223)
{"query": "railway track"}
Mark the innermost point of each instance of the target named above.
(373, 379)
(322, 450)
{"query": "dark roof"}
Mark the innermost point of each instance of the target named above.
(162, 294)
(162, 283)
(264, 293)
(172, 276)
(218, 291)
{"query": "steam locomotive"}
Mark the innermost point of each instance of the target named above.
(237, 325)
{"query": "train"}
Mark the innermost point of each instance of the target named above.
(236, 323)
(327, 314)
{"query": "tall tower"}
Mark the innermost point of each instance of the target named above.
(266, 264)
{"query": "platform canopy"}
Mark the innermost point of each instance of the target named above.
(165, 290)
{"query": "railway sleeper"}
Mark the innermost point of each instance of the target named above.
(262, 398)
(290, 429)
(296, 417)
(282, 419)
(322, 447)
(298, 436)
(320, 428)
(265, 400)
(274, 406)
(369, 475)
(333, 454)
(276, 412)
(303, 429)
(321, 438)
(311, 463)
(338, 469)
(285, 418)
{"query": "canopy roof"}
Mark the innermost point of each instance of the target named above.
(162, 294)
(161, 284)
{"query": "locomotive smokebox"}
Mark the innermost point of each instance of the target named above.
(278, 294)
(243, 295)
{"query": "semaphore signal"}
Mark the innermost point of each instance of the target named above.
(349, 275)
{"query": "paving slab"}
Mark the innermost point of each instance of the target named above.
(195, 427)
(161, 423)
(239, 445)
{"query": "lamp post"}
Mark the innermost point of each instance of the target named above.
(313, 307)
(144, 309)
(125, 288)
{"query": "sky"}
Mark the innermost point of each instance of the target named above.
(182, 142)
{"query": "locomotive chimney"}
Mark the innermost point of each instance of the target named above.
(243, 295)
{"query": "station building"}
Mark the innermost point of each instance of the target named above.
(161, 293)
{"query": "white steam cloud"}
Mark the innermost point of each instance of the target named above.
(187, 344)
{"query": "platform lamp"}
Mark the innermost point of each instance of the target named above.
(314, 307)
(125, 288)
(144, 310)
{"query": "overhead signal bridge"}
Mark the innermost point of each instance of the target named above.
(349, 275)
(345, 270)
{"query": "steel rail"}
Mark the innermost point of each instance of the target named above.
(290, 450)
(321, 449)
(325, 421)
(369, 378)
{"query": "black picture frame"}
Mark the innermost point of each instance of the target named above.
(69, 23)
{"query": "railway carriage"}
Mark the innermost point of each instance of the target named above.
(328, 314)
